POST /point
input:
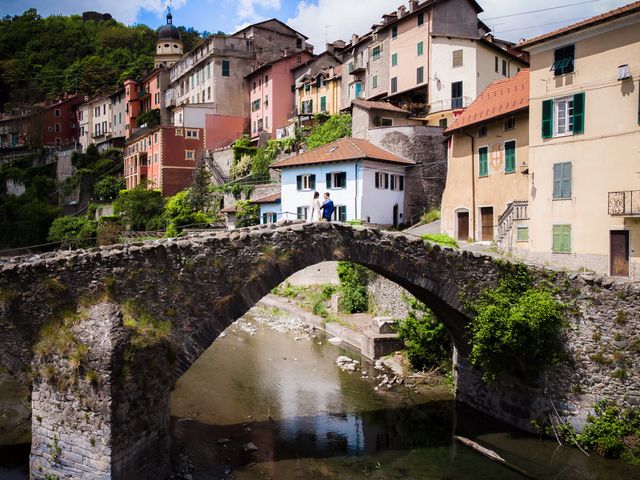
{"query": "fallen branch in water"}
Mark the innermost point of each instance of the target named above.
(491, 455)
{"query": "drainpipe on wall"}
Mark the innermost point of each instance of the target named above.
(355, 205)
(473, 182)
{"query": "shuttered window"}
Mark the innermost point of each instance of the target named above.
(562, 180)
(323, 104)
(306, 182)
(563, 60)
(457, 58)
(547, 119)
(561, 239)
(483, 162)
(394, 59)
(394, 84)
(336, 180)
(522, 234)
(420, 48)
(225, 68)
(510, 156)
(578, 113)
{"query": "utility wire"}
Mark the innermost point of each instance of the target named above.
(567, 21)
(540, 10)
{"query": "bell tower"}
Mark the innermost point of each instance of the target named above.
(169, 48)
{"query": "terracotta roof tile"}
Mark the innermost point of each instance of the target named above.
(371, 105)
(589, 22)
(343, 150)
(273, 198)
(498, 99)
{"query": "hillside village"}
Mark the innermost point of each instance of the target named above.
(428, 111)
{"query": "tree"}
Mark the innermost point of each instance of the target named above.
(200, 195)
(247, 214)
(107, 189)
(138, 206)
(338, 126)
(354, 279)
(73, 232)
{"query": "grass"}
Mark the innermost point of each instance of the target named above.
(313, 298)
(147, 329)
(6, 295)
(440, 239)
(430, 216)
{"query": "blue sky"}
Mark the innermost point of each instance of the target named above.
(318, 19)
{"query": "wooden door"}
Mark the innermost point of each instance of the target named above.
(395, 216)
(619, 255)
(463, 226)
(486, 217)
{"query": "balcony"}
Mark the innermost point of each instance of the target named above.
(624, 204)
(357, 69)
(450, 104)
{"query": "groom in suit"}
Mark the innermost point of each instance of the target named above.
(327, 208)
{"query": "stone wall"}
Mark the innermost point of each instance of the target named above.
(387, 298)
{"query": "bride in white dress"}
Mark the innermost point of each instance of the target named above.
(314, 212)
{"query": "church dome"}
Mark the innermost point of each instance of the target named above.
(169, 31)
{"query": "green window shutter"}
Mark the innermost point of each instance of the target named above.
(394, 59)
(566, 179)
(420, 48)
(566, 238)
(328, 180)
(523, 234)
(578, 113)
(342, 180)
(510, 157)
(547, 119)
(483, 169)
(561, 239)
(298, 182)
(323, 104)
(557, 239)
(264, 218)
(312, 182)
(401, 182)
(386, 180)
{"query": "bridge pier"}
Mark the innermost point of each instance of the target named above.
(100, 407)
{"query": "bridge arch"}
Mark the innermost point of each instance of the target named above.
(145, 312)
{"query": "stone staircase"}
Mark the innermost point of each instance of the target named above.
(516, 211)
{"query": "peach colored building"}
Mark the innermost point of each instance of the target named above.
(164, 157)
(272, 94)
(485, 197)
(584, 136)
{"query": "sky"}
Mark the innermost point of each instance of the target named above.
(320, 20)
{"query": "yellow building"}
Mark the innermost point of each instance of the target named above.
(318, 86)
(485, 197)
(584, 135)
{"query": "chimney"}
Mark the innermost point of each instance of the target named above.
(413, 4)
(354, 39)
(331, 48)
(402, 10)
(489, 37)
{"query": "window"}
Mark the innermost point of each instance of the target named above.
(510, 123)
(483, 163)
(208, 93)
(482, 131)
(306, 182)
(57, 127)
(375, 52)
(178, 132)
(119, 117)
(56, 112)
(419, 75)
(456, 95)
(155, 138)
(155, 158)
(562, 180)
(374, 81)
(563, 116)
(225, 68)
(350, 67)
(382, 180)
(302, 213)
(394, 59)
(420, 48)
(504, 68)
(496, 64)
(104, 109)
(260, 125)
(394, 32)
(307, 106)
(189, 154)
(397, 182)
(420, 19)
(189, 133)
(386, 122)
(269, 217)
(323, 104)
(510, 156)
(443, 122)
(457, 58)
(563, 60)
(358, 90)
(340, 213)
(208, 70)
(255, 126)
(522, 234)
(394, 84)
(561, 239)
(255, 105)
(336, 180)
(266, 100)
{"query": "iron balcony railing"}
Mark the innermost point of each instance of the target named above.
(626, 203)
(449, 104)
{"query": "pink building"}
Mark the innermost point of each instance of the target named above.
(271, 93)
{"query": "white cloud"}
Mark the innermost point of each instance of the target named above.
(248, 10)
(338, 19)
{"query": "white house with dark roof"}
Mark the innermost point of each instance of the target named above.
(365, 182)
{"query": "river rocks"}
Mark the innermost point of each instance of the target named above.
(347, 364)
(250, 447)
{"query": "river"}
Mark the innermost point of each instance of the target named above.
(268, 401)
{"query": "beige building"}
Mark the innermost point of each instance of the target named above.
(318, 86)
(585, 144)
(485, 197)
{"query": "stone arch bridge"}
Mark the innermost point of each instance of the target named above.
(101, 335)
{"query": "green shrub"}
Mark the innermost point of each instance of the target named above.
(107, 188)
(138, 206)
(336, 127)
(427, 341)
(247, 213)
(73, 232)
(441, 239)
(430, 216)
(354, 279)
(517, 327)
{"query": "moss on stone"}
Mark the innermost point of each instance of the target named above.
(147, 330)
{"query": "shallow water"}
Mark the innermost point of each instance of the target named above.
(310, 420)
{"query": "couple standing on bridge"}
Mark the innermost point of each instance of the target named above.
(326, 208)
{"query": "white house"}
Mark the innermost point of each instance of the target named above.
(270, 208)
(365, 182)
